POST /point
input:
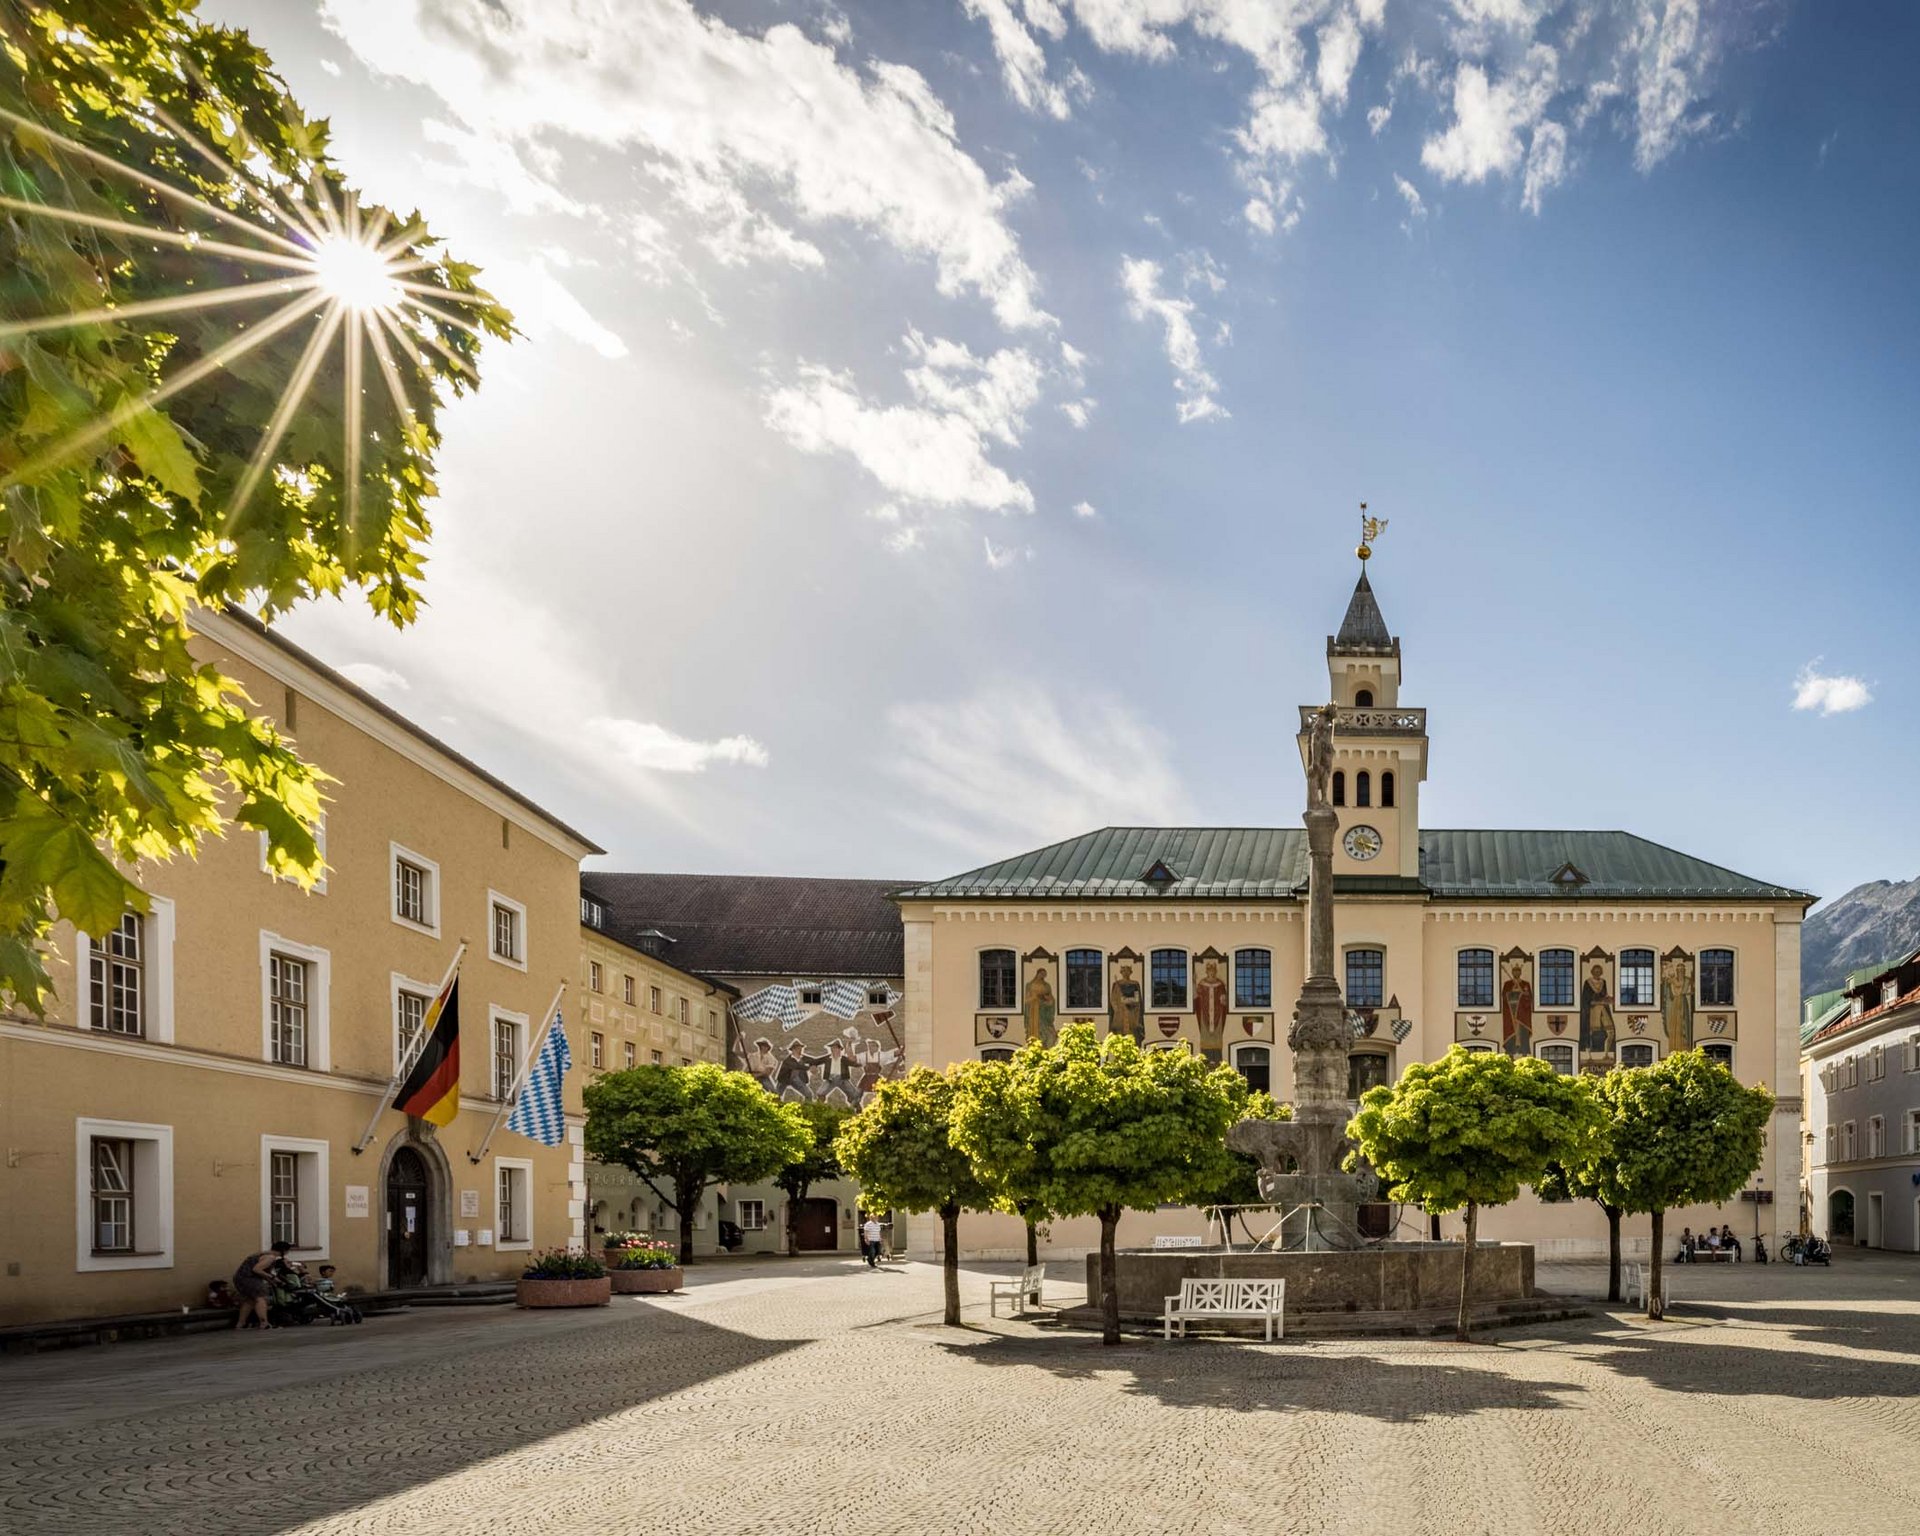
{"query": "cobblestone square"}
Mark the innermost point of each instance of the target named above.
(819, 1397)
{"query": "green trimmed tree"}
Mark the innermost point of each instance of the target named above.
(994, 1083)
(1684, 1131)
(1471, 1130)
(899, 1150)
(1095, 1128)
(685, 1129)
(213, 390)
(1593, 1178)
(813, 1166)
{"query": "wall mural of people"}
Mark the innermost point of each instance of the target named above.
(1597, 1030)
(1516, 1003)
(1676, 999)
(825, 1057)
(1126, 998)
(1210, 1004)
(1038, 1001)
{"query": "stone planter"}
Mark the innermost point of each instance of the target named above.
(648, 1282)
(563, 1293)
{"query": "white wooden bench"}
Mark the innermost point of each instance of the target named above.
(1203, 1301)
(1636, 1285)
(1019, 1292)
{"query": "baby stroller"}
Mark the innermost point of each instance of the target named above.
(296, 1301)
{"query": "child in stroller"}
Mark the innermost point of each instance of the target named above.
(297, 1300)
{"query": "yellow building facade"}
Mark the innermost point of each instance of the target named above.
(1589, 949)
(213, 1075)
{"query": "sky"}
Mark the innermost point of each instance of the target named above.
(938, 429)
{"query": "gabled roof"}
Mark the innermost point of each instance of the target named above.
(758, 925)
(1363, 629)
(1220, 863)
(1828, 1014)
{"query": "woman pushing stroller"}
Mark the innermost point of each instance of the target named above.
(253, 1280)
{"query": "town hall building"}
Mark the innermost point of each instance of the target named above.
(1588, 949)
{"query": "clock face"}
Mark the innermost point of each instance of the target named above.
(1361, 843)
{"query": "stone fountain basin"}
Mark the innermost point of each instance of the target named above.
(1394, 1277)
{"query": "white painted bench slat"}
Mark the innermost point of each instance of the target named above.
(1635, 1276)
(1203, 1300)
(1017, 1291)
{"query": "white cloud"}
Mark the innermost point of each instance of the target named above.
(1377, 119)
(1080, 411)
(1023, 61)
(1259, 213)
(543, 306)
(1084, 509)
(376, 679)
(1492, 119)
(1010, 767)
(496, 165)
(642, 744)
(1830, 693)
(330, 67)
(1140, 278)
(993, 393)
(1546, 164)
(999, 556)
(1410, 195)
(722, 120)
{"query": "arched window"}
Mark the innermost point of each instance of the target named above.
(1716, 978)
(1366, 978)
(1339, 786)
(1363, 788)
(1083, 979)
(1255, 1064)
(1363, 698)
(1476, 1047)
(1476, 978)
(1719, 1052)
(1559, 1057)
(996, 1053)
(1365, 1069)
(1556, 979)
(1253, 978)
(997, 971)
(1386, 791)
(1636, 1053)
(1167, 986)
(1636, 978)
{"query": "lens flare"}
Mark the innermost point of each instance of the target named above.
(356, 275)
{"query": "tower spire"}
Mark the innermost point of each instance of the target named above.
(1363, 631)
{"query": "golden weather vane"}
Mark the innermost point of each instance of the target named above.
(1370, 529)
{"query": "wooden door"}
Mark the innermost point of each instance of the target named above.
(818, 1228)
(407, 1214)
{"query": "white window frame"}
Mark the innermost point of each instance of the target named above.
(316, 1193)
(757, 1221)
(1652, 1050)
(596, 1050)
(1913, 1131)
(1849, 1142)
(495, 1017)
(395, 853)
(524, 1166)
(495, 899)
(1833, 1143)
(627, 989)
(630, 1054)
(1240, 1049)
(1572, 1050)
(319, 1000)
(655, 1000)
(595, 976)
(1876, 1136)
(319, 887)
(398, 984)
(152, 1195)
(157, 936)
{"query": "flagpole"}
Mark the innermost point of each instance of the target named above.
(520, 1077)
(406, 1061)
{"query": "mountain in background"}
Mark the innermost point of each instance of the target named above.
(1872, 923)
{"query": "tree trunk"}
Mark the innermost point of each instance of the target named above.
(950, 1261)
(793, 1220)
(1109, 1279)
(687, 1208)
(1464, 1330)
(1655, 1309)
(1613, 1251)
(1433, 1225)
(1033, 1244)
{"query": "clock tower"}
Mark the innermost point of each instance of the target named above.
(1379, 746)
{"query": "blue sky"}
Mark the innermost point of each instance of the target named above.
(939, 427)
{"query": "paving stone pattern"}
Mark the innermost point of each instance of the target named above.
(821, 1397)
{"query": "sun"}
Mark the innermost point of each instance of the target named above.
(356, 275)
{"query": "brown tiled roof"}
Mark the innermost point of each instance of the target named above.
(1848, 1022)
(758, 925)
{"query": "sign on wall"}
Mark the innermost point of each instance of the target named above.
(356, 1199)
(469, 1202)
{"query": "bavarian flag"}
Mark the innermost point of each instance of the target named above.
(431, 1088)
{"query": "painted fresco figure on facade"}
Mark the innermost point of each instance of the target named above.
(1676, 999)
(762, 1065)
(1124, 998)
(1210, 1011)
(1596, 1012)
(1039, 1006)
(1516, 1011)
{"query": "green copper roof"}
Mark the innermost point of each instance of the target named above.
(1218, 863)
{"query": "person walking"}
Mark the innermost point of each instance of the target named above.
(252, 1281)
(870, 1242)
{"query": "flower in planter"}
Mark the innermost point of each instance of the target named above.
(647, 1253)
(625, 1240)
(560, 1264)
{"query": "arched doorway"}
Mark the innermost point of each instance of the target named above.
(1840, 1216)
(409, 1219)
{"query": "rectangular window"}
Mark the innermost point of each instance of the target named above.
(112, 1195)
(597, 1050)
(753, 1215)
(506, 1055)
(1719, 1053)
(811, 994)
(1255, 1064)
(1475, 978)
(1636, 979)
(1366, 978)
(684, 1016)
(1913, 1130)
(287, 1009)
(1716, 978)
(654, 1054)
(410, 892)
(1168, 987)
(1253, 978)
(1833, 1144)
(653, 999)
(506, 934)
(1634, 1053)
(283, 1205)
(117, 966)
(1559, 1057)
(593, 975)
(1556, 979)
(1876, 1137)
(409, 1018)
(1876, 1064)
(626, 990)
(876, 997)
(513, 1203)
(998, 988)
(1847, 1142)
(592, 913)
(713, 1024)
(1083, 979)
(627, 1048)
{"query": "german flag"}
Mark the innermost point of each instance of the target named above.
(431, 1088)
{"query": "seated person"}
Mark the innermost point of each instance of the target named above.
(1685, 1256)
(325, 1283)
(1730, 1243)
